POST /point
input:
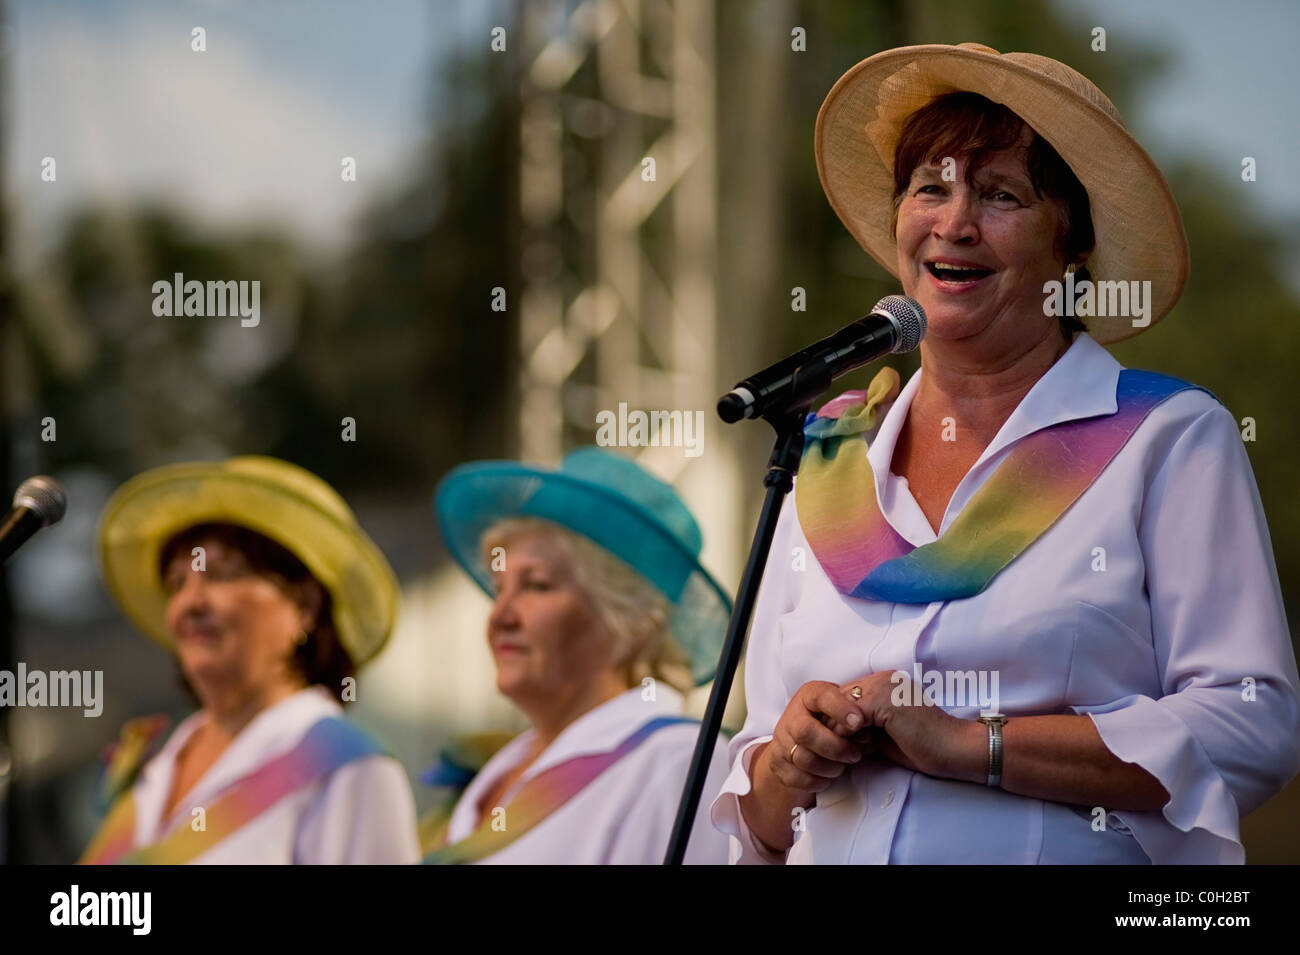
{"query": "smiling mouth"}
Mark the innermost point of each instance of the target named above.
(956, 274)
(200, 634)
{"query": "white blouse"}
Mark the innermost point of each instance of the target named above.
(363, 812)
(1152, 606)
(625, 815)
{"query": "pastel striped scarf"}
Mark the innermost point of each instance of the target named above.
(541, 796)
(137, 742)
(329, 744)
(1037, 482)
(460, 760)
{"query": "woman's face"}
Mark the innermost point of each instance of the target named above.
(234, 630)
(543, 631)
(999, 227)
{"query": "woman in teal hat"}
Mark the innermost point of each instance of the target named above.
(602, 618)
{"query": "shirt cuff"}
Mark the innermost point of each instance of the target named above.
(726, 816)
(1200, 823)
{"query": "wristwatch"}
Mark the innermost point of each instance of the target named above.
(994, 722)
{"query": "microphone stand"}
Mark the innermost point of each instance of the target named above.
(787, 421)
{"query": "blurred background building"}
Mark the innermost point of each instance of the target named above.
(557, 206)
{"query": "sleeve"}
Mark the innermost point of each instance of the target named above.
(363, 815)
(1223, 736)
(766, 696)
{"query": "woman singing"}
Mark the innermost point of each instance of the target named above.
(1043, 624)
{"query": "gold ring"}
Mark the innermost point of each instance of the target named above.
(792, 749)
(856, 692)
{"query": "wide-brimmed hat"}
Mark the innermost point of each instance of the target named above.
(611, 501)
(278, 500)
(1139, 230)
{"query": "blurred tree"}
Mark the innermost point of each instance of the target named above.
(398, 332)
(398, 336)
(406, 340)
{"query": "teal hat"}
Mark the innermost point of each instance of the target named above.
(611, 501)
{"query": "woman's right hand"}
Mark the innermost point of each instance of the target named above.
(810, 748)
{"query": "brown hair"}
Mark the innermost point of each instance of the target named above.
(321, 658)
(967, 124)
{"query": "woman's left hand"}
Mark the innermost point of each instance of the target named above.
(922, 738)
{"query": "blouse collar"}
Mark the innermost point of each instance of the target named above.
(599, 730)
(271, 732)
(1081, 384)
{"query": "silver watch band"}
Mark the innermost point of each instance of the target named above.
(995, 753)
(994, 722)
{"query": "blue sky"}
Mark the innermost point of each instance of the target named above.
(256, 126)
(1230, 90)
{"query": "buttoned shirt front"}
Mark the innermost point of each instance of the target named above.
(1152, 606)
(625, 815)
(362, 812)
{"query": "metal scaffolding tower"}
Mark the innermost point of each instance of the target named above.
(636, 322)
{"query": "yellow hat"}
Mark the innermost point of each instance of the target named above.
(279, 500)
(1139, 230)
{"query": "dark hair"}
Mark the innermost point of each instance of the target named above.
(321, 658)
(967, 124)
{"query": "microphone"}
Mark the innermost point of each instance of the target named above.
(896, 324)
(38, 502)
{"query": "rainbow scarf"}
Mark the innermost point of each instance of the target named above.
(1037, 482)
(541, 796)
(329, 744)
(137, 743)
(460, 760)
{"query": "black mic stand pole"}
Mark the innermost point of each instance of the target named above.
(779, 479)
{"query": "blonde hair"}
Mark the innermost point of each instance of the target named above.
(634, 614)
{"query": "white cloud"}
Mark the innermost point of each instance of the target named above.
(128, 110)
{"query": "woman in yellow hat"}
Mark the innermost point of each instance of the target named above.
(1020, 641)
(255, 574)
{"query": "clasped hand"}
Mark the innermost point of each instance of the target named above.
(828, 727)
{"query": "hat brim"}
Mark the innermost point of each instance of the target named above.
(153, 507)
(473, 497)
(1139, 230)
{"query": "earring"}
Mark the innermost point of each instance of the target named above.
(300, 639)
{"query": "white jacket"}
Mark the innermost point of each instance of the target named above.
(1152, 606)
(625, 815)
(363, 812)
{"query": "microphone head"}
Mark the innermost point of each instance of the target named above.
(907, 316)
(44, 497)
(731, 407)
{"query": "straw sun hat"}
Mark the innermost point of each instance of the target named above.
(279, 500)
(1138, 228)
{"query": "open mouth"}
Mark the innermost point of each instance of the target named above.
(198, 629)
(951, 274)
